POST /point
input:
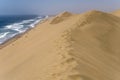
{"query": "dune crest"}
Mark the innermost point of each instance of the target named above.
(117, 13)
(61, 17)
(83, 47)
(87, 49)
(65, 14)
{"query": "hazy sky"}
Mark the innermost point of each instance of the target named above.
(55, 6)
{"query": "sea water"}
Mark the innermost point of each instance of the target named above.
(13, 25)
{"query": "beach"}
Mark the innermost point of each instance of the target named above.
(68, 46)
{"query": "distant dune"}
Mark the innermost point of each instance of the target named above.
(117, 13)
(68, 47)
(61, 17)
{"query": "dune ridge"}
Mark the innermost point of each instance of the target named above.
(117, 13)
(81, 47)
(61, 17)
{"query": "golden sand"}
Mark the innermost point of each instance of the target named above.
(61, 17)
(76, 47)
(117, 13)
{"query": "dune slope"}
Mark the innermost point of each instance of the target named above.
(81, 47)
(117, 13)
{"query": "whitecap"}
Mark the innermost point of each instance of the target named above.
(2, 35)
(18, 28)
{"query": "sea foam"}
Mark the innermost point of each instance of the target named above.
(14, 29)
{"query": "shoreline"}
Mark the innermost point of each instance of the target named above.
(11, 40)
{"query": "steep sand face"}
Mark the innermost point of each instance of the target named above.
(117, 13)
(82, 47)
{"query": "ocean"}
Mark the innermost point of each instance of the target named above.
(13, 25)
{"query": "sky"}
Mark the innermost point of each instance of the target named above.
(51, 7)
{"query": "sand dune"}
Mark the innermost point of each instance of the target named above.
(61, 17)
(117, 13)
(80, 47)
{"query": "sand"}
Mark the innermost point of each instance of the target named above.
(78, 47)
(117, 13)
(61, 17)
